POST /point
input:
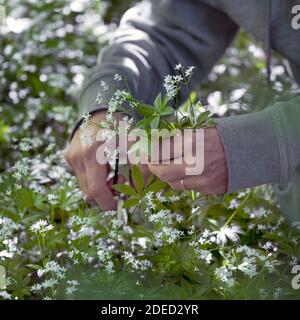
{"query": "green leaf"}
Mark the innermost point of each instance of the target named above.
(164, 102)
(157, 186)
(155, 122)
(138, 178)
(34, 266)
(130, 203)
(203, 117)
(145, 109)
(144, 122)
(167, 111)
(187, 103)
(157, 102)
(124, 188)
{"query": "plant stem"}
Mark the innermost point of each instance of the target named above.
(237, 209)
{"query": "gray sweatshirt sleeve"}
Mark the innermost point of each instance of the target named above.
(262, 147)
(152, 38)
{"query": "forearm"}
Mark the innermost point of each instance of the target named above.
(151, 39)
(262, 147)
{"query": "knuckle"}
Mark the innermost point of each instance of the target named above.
(94, 190)
(163, 176)
(174, 186)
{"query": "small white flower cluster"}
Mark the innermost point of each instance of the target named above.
(54, 268)
(167, 235)
(46, 284)
(225, 275)
(104, 255)
(256, 213)
(117, 77)
(205, 255)
(163, 199)
(189, 71)
(8, 227)
(253, 256)
(234, 204)
(85, 120)
(41, 227)
(148, 198)
(84, 231)
(79, 227)
(53, 199)
(111, 154)
(26, 144)
(71, 287)
(248, 267)
(56, 272)
(77, 256)
(103, 87)
(77, 221)
(142, 265)
(165, 217)
(21, 169)
(172, 85)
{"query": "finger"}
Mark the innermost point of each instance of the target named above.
(197, 183)
(78, 167)
(98, 188)
(121, 179)
(168, 172)
(167, 149)
(80, 173)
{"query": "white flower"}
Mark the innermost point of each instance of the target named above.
(189, 71)
(171, 85)
(41, 227)
(178, 66)
(104, 86)
(8, 228)
(55, 269)
(109, 267)
(268, 246)
(71, 287)
(85, 119)
(149, 200)
(248, 267)
(99, 98)
(117, 77)
(205, 255)
(167, 234)
(77, 255)
(4, 295)
(224, 275)
(53, 199)
(258, 213)
(76, 221)
(228, 232)
(163, 216)
(234, 204)
(21, 168)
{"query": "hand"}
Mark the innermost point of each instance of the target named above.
(91, 175)
(213, 179)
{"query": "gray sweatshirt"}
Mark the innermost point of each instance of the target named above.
(154, 35)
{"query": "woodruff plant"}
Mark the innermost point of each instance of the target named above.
(159, 243)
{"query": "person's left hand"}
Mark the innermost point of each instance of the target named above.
(213, 179)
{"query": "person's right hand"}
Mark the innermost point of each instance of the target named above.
(91, 175)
